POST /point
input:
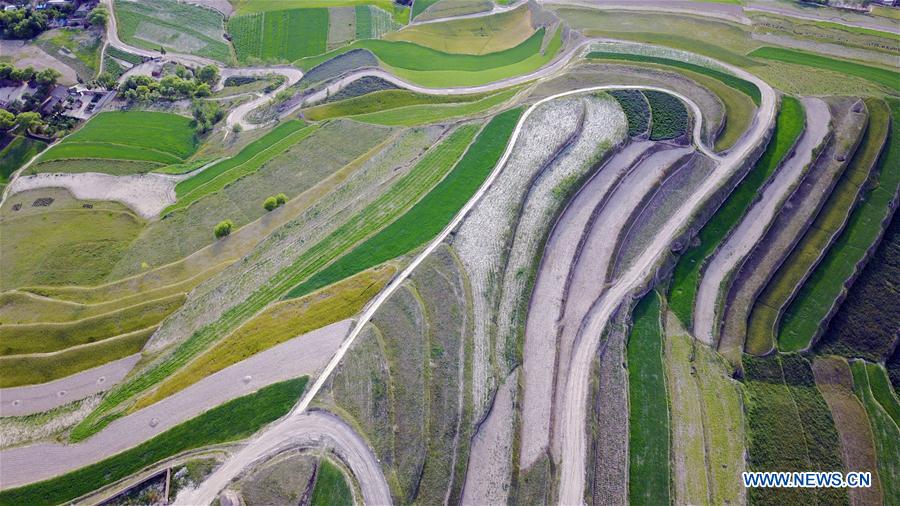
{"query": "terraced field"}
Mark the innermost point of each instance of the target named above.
(526, 252)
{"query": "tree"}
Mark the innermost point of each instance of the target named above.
(223, 228)
(98, 16)
(237, 128)
(22, 74)
(107, 80)
(281, 199)
(5, 70)
(202, 90)
(270, 204)
(27, 120)
(208, 74)
(7, 119)
(47, 76)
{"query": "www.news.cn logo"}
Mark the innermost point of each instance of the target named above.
(808, 479)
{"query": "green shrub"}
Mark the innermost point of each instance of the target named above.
(270, 204)
(281, 199)
(223, 228)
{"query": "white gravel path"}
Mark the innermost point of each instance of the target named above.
(146, 194)
(490, 459)
(547, 299)
(303, 355)
(26, 400)
(755, 223)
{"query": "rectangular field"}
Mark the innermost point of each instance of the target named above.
(648, 421)
(177, 26)
(284, 35)
(887, 78)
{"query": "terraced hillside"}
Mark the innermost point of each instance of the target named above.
(449, 252)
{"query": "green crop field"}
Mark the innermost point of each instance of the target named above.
(885, 434)
(331, 487)
(420, 5)
(129, 135)
(381, 101)
(236, 419)
(802, 318)
(403, 194)
(478, 35)
(429, 67)
(247, 161)
(430, 215)
(176, 26)
(399, 13)
(648, 419)
(737, 83)
(685, 279)
(275, 35)
(669, 117)
(887, 78)
(883, 391)
(829, 222)
(16, 154)
(636, 109)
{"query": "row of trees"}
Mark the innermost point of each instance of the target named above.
(22, 74)
(184, 83)
(26, 23)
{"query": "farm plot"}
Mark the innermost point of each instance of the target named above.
(275, 325)
(248, 160)
(636, 109)
(648, 420)
(450, 8)
(16, 154)
(835, 380)
(231, 421)
(127, 136)
(790, 427)
(429, 67)
(381, 211)
(798, 212)
(433, 113)
(885, 77)
(179, 27)
(282, 480)
(272, 35)
(398, 13)
(341, 26)
(380, 102)
(428, 216)
(886, 435)
(883, 391)
(474, 35)
(669, 116)
(341, 64)
(855, 331)
(828, 224)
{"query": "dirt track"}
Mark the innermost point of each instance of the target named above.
(755, 223)
(303, 355)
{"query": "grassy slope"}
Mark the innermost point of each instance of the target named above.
(887, 78)
(382, 211)
(883, 391)
(885, 433)
(424, 114)
(233, 420)
(331, 487)
(802, 318)
(430, 215)
(381, 101)
(648, 424)
(276, 324)
(815, 243)
(686, 277)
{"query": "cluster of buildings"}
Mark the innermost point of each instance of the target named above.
(75, 11)
(75, 101)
